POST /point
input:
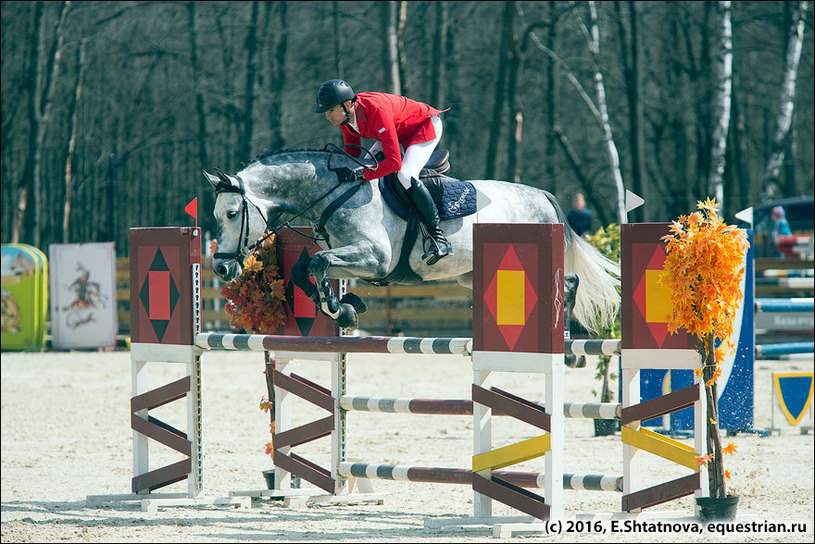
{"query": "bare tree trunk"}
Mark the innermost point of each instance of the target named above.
(516, 132)
(704, 141)
(614, 158)
(29, 213)
(786, 105)
(723, 99)
(277, 78)
(450, 92)
(251, 73)
(112, 201)
(400, 48)
(227, 87)
(34, 76)
(789, 163)
(739, 148)
(630, 62)
(551, 89)
(339, 68)
(392, 50)
(500, 86)
(439, 51)
(69, 160)
(208, 197)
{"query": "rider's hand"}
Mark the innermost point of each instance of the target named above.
(346, 174)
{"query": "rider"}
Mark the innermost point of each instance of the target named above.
(396, 123)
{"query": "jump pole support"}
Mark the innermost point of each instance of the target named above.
(165, 297)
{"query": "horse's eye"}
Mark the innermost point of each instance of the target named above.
(232, 214)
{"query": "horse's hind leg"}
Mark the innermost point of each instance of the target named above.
(465, 280)
(571, 282)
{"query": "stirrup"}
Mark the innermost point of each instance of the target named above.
(435, 252)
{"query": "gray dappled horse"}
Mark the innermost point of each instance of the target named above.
(362, 236)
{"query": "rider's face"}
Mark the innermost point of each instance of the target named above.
(336, 115)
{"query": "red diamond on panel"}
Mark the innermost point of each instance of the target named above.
(658, 330)
(510, 297)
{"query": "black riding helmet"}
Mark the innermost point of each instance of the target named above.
(331, 93)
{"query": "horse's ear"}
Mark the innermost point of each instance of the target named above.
(213, 180)
(227, 180)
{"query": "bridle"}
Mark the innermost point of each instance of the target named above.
(225, 186)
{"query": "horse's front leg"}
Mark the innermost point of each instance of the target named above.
(347, 261)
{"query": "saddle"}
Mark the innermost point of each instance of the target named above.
(454, 198)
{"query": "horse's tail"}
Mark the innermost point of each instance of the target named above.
(598, 297)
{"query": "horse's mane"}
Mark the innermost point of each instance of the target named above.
(267, 154)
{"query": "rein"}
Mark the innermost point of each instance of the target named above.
(243, 238)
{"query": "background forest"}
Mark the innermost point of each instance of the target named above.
(110, 110)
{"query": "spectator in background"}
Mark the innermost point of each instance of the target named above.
(579, 216)
(781, 227)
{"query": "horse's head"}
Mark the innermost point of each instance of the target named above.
(240, 220)
(253, 201)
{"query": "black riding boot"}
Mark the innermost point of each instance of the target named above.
(429, 215)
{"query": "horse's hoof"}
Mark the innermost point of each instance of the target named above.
(348, 318)
(575, 361)
(358, 304)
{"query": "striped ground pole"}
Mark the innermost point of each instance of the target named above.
(389, 405)
(789, 283)
(338, 344)
(592, 347)
(784, 304)
(374, 344)
(788, 348)
(440, 475)
(789, 273)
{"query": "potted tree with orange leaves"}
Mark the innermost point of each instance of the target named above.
(703, 272)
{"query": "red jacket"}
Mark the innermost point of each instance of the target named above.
(393, 120)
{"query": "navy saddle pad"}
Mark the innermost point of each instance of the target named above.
(458, 198)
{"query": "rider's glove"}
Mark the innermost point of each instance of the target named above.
(346, 174)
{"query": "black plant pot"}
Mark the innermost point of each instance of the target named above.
(604, 427)
(718, 509)
(269, 476)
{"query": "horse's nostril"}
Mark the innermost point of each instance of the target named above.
(220, 269)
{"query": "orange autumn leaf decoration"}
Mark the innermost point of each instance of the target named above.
(730, 449)
(252, 264)
(727, 474)
(703, 459)
(254, 300)
(703, 272)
